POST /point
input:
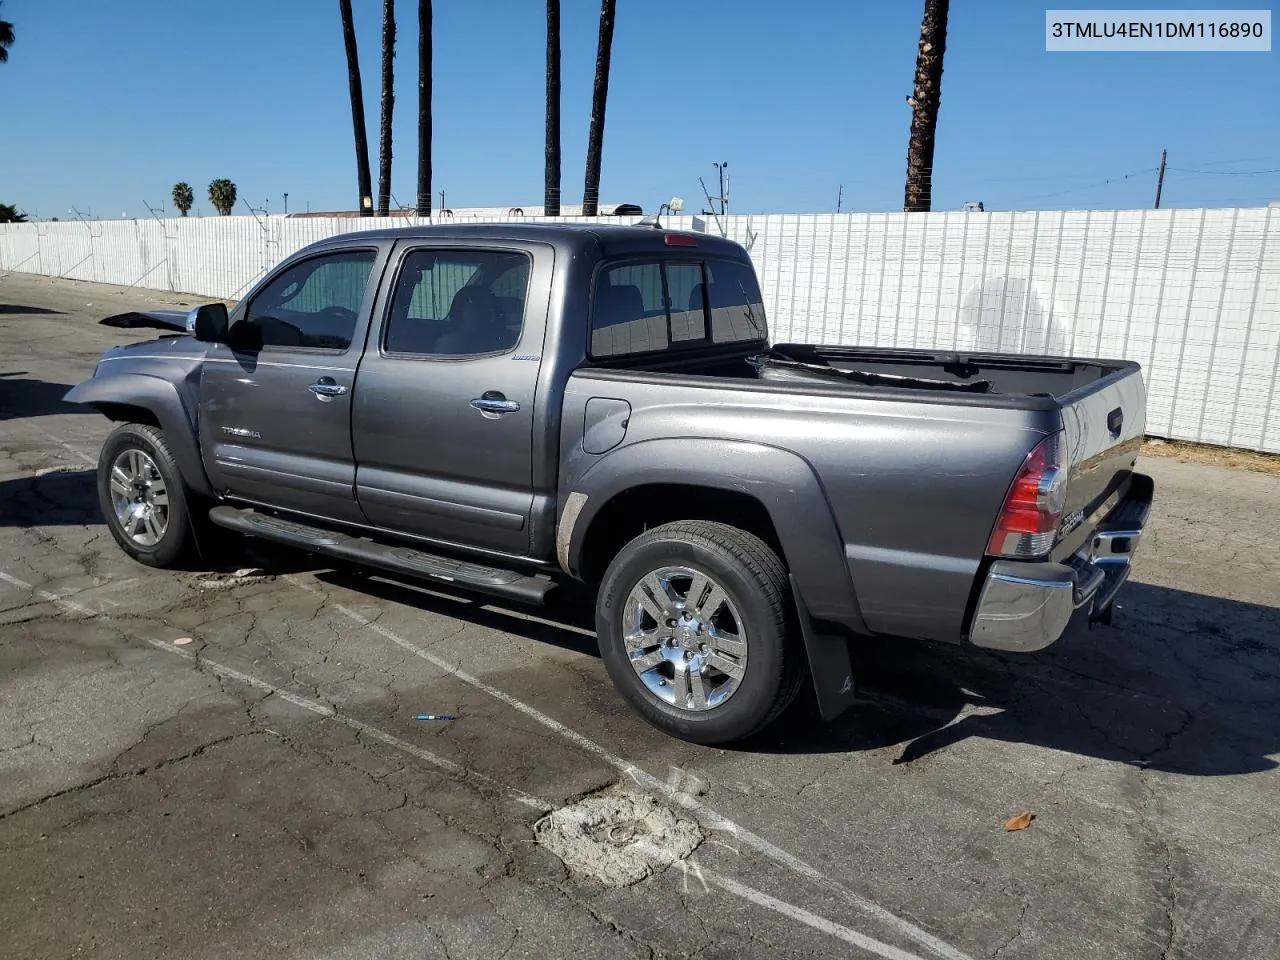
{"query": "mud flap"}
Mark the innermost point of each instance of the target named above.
(829, 662)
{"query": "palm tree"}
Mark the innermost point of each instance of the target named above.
(183, 197)
(10, 214)
(6, 39)
(222, 194)
(551, 175)
(595, 139)
(388, 105)
(423, 206)
(924, 106)
(357, 108)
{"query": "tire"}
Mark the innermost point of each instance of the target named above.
(140, 453)
(644, 655)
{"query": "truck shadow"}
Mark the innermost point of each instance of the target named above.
(24, 309)
(1183, 683)
(60, 498)
(22, 397)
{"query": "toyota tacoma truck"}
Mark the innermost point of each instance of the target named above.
(506, 408)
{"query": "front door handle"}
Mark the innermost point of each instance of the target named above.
(326, 388)
(492, 404)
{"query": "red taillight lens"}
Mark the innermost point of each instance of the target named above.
(1032, 512)
(680, 240)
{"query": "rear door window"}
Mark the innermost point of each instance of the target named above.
(457, 303)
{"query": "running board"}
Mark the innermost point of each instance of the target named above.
(406, 561)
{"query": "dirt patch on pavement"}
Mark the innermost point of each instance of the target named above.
(617, 837)
(1215, 456)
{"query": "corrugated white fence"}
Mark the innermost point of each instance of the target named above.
(1193, 295)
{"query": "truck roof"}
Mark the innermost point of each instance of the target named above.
(607, 239)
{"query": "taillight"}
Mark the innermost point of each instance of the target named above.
(679, 240)
(1032, 511)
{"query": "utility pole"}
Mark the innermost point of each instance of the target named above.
(840, 198)
(442, 198)
(286, 204)
(720, 168)
(1160, 179)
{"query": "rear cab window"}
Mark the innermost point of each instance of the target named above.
(669, 304)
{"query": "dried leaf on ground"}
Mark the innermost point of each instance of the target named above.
(1020, 822)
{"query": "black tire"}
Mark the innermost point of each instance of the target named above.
(176, 547)
(754, 581)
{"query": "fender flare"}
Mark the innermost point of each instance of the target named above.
(782, 481)
(160, 398)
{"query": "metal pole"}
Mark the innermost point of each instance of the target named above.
(840, 198)
(1160, 179)
(286, 204)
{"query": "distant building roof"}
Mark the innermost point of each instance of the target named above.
(488, 213)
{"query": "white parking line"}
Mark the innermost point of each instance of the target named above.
(750, 894)
(368, 730)
(708, 817)
(704, 814)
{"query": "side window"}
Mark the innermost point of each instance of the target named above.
(457, 303)
(313, 304)
(737, 312)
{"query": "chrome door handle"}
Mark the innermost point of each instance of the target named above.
(326, 388)
(491, 405)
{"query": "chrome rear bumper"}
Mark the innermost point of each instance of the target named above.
(1026, 606)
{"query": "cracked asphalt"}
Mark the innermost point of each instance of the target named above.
(264, 791)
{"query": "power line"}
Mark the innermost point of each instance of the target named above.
(1228, 173)
(1088, 186)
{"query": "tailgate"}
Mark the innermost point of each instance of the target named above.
(1104, 424)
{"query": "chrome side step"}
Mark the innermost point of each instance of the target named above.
(508, 584)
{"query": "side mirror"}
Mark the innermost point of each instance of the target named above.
(208, 322)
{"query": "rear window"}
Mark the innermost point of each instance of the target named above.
(652, 306)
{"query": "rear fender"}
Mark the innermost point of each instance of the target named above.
(787, 487)
(161, 399)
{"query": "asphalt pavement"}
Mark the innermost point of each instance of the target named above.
(226, 762)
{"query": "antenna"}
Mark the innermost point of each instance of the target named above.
(712, 210)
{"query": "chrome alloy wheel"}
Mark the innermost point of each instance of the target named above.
(684, 638)
(139, 497)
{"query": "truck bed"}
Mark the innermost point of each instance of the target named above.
(1003, 375)
(915, 474)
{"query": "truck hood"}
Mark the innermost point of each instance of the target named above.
(162, 319)
(163, 349)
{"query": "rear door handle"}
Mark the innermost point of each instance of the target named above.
(492, 404)
(326, 388)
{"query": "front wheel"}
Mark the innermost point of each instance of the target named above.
(143, 498)
(692, 623)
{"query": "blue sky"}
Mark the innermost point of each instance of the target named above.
(103, 109)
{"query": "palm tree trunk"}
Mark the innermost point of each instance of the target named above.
(924, 106)
(595, 139)
(423, 207)
(357, 109)
(388, 105)
(551, 176)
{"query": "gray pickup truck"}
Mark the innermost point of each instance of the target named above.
(506, 408)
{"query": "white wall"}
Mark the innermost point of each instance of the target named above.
(1192, 295)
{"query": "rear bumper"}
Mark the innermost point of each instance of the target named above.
(1026, 606)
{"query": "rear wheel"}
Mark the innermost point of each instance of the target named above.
(693, 628)
(143, 498)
